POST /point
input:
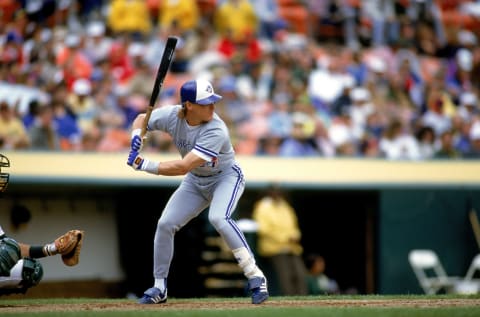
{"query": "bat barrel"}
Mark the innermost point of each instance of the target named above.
(165, 62)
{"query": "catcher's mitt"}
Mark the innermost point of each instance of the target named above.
(69, 246)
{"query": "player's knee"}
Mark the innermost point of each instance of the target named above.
(9, 255)
(217, 221)
(166, 226)
(32, 272)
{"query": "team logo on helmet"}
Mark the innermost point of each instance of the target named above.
(4, 177)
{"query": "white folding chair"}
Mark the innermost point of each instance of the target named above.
(470, 284)
(430, 273)
(474, 266)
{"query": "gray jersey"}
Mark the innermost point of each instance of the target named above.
(210, 141)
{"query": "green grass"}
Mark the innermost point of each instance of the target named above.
(344, 306)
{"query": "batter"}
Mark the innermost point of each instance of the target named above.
(213, 179)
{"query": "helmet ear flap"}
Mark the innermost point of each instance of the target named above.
(4, 177)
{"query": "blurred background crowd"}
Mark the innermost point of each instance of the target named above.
(394, 79)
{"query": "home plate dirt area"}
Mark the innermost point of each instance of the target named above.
(228, 304)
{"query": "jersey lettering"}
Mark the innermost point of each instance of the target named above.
(184, 144)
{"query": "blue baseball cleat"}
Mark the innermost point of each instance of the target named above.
(153, 295)
(258, 287)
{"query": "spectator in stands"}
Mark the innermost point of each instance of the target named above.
(376, 21)
(39, 11)
(358, 67)
(142, 81)
(91, 139)
(72, 61)
(29, 117)
(360, 109)
(185, 49)
(426, 17)
(43, 135)
(418, 75)
(468, 107)
(343, 101)
(378, 78)
(184, 13)
(474, 150)
(398, 144)
(235, 111)
(269, 18)
(279, 240)
(279, 119)
(66, 126)
(13, 134)
(129, 17)
(97, 43)
(12, 52)
(459, 74)
(89, 10)
(322, 141)
(341, 135)
(461, 134)
(235, 19)
(447, 149)
(9, 8)
(269, 145)
(375, 125)
(300, 142)
(426, 142)
(439, 104)
(120, 62)
(330, 75)
(82, 104)
(206, 56)
(125, 108)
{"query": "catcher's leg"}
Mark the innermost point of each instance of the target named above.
(10, 254)
(26, 273)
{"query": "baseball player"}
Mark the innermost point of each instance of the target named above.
(213, 179)
(19, 267)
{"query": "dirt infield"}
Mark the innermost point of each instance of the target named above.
(223, 305)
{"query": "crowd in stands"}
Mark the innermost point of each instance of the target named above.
(394, 79)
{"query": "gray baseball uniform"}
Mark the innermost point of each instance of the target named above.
(217, 184)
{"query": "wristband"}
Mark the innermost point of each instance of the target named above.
(150, 166)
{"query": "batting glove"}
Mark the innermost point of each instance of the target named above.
(135, 160)
(139, 163)
(137, 141)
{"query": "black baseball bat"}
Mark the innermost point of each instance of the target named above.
(161, 73)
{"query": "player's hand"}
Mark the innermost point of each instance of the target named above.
(135, 160)
(137, 141)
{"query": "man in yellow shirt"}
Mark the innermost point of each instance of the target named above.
(279, 241)
(236, 17)
(183, 12)
(129, 17)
